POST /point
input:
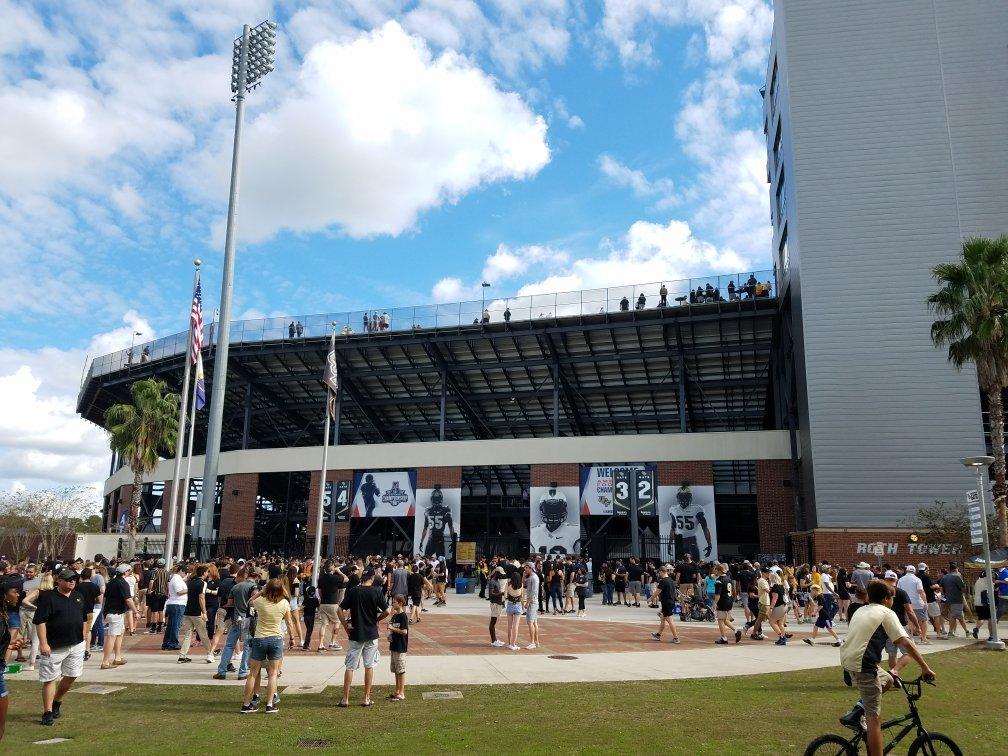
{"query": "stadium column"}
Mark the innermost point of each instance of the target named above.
(342, 528)
(774, 504)
(165, 506)
(238, 506)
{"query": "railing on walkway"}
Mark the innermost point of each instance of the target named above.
(684, 293)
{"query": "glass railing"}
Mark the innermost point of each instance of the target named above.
(694, 291)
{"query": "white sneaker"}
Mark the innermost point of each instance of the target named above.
(498, 644)
(530, 646)
(514, 648)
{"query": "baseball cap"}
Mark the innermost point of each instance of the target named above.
(890, 575)
(862, 565)
(68, 575)
(122, 569)
(911, 569)
(922, 566)
(764, 569)
(160, 562)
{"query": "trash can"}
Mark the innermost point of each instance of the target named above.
(461, 585)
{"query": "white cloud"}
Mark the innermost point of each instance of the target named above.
(128, 200)
(663, 190)
(450, 289)
(377, 131)
(573, 121)
(42, 439)
(507, 262)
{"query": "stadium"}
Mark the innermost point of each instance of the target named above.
(695, 391)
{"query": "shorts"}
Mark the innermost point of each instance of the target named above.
(921, 612)
(62, 662)
(779, 612)
(221, 622)
(955, 611)
(871, 686)
(295, 603)
(724, 615)
(982, 611)
(358, 649)
(892, 649)
(569, 593)
(764, 613)
(667, 609)
(530, 613)
(634, 586)
(495, 609)
(513, 608)
(116, 625)
(329, 614)
(3, 685)
(933, 610)
(156, 602)
(266, 649)
(14, 619)
(398, 663)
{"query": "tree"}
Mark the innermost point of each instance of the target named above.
(48, 517)
(941, 524)
(972, 311)
(140, 432)
(15, 523)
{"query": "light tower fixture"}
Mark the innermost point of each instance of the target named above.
(251, 62)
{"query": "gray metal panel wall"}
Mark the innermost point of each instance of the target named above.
(874, 203)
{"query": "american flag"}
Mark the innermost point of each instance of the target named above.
(196, 321)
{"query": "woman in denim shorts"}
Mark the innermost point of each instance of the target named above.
(11, 587)
(266, 646)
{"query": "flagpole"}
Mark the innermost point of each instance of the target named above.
(317, 554)
(176, 467)
(184, 509)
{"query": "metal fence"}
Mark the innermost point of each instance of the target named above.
(682, 293)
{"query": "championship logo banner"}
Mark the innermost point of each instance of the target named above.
(437, 521)
(687, 522)
(598, 491)
(384, 494)
(554, 520)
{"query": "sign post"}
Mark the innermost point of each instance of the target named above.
(978, 464)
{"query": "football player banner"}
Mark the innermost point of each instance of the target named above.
(384, 494)
(598, 490)
(436, 525)
(554, 520)
(686, 522)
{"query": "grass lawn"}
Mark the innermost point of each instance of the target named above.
(765, 714)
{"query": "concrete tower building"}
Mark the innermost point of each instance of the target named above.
(886, 127)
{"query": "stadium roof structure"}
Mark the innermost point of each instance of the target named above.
(684, 368)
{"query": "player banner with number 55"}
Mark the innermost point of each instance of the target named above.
(686, 522)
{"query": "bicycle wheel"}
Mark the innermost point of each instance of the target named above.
(934, 744)
(830, 744)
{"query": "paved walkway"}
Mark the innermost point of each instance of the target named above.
(450, 647)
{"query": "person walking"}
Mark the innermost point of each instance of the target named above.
(531, 586)
(11, 587)
(778, 608)
(266, 646)
(982, 606)
(953, 588)
(194, 617)
(496, 604)
(914, 588)
(331, 587)
(414, 589)
(118, 603)
(175, 608)
(59, 620)
(664, 598)
(724, 602)
(823, 621)
(762, 587)
(157, 596)
(237, 604)
(31, 587)
(363, 607)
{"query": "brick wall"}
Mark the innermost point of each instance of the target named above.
(844, 547)
(238, 511)
(313, 495)
(774, 504)
(448, 477)
(674, 473)
(562, 475)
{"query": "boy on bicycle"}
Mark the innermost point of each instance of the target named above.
(862, 651)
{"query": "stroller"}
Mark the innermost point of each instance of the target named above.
(693, 608)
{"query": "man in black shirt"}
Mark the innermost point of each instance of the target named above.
(59, 621)
(746, 577)
(331, 585)
(723, 603)
(634, 574)
(194, 616)
(118, 601)
(686, 576)
(664, 596)
(362, 608)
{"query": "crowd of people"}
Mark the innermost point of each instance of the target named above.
(57, 614)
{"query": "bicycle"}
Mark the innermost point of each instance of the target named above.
(930, 743)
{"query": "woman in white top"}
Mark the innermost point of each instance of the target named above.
(131, 581)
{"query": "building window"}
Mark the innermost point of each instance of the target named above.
(782, 253)
(777, 149)
(773, 91)
(781, 200)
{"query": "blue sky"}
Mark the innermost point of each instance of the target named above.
(403, 151)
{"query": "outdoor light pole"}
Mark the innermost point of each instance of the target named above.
(252, 60)
(978, 464)
(484, 286)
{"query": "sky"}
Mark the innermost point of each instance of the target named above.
(402, 152)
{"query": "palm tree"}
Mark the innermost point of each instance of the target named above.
(972, 307)
(140, 432)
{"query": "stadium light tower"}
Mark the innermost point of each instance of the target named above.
(251, 62)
